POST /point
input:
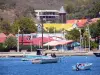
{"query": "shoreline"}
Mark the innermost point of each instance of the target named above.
(58, 53)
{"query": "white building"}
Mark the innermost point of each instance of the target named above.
(47, 15)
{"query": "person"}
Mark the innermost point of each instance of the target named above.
(53, 55)
(38, 52)
(45, 54)
(77, 67)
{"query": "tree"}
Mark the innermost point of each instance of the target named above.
(95, 29)
(5, 27)
(52, 30)
(95, 9)
(82, 8)
(11, 42)
(73, 35)
(26, 25)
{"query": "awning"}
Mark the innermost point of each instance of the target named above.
(52, 43)
(55, 43)
(63, 42)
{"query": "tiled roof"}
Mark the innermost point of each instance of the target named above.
(2, 35)
(80, 22)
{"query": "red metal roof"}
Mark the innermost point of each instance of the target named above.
(2, 39)
(25, 39)
(35, 41)
(2, 35)
(38, 41)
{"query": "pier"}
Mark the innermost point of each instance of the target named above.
(58, 53)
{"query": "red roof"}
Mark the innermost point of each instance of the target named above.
(71, 21)
(94, 20)
(82, 22)
(26, 39)
(2, 39)
(38, 41)
(34, 41)
(2, 35)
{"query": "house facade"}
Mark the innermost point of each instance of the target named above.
(47, 15)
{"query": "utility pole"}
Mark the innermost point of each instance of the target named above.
(18, 40)
(48, 39)
(42, 30)
(80, 38)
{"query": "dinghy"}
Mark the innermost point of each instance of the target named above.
(82, 66)
(45, 60)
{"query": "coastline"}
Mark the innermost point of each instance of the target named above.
(58, 53)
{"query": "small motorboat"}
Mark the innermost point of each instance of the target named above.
(97, 54)
(45, 60)
(82, 66)
(31, 57)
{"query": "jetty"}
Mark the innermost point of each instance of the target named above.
(49, 52)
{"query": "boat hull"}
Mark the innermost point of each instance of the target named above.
(97, 54)
(31, 57)
(45, 60)
(86, 66)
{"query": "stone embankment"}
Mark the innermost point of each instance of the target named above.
(49, 52)
(70, 53)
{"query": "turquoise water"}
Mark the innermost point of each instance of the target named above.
(14, 66)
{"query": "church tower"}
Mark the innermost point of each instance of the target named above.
(62, 15)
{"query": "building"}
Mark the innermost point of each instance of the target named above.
(47, 15)
(62, 15)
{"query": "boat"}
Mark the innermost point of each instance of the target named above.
(45, 60)
(97, 54)
(31, 57)
(82, 66)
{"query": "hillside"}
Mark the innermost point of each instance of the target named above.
(12, 9)
(82, 8)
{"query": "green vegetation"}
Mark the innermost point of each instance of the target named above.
(5, 27)
(82, 8)
(94, 33)
(3, 48)
(11, 42)
(95, 29)
(73, 34)
(52, 30)
(25, 25)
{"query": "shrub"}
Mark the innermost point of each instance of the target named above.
(11, 42)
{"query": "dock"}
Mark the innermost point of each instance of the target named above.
(16, 54)
(58, 53)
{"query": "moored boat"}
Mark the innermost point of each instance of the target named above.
(45, 60)
(97, 54)
(82, 66)
(31, 57)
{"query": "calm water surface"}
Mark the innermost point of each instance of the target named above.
(14, 66)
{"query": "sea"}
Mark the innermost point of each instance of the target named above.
(15, 66)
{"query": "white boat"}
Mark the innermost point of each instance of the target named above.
(82, 66)
(31, 57)
(45, 60)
